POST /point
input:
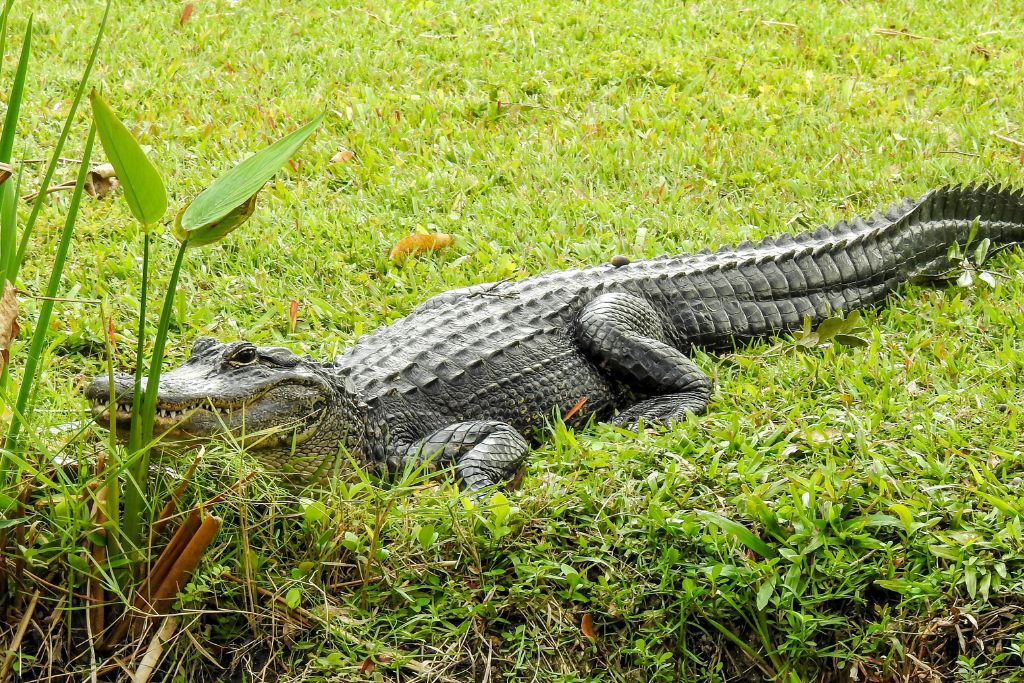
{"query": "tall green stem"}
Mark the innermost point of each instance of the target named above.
(46, 309)
(143, 414)
(135, 489)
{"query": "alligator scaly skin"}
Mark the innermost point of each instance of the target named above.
(466, 374)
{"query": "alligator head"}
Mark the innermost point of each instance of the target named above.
(291, 412)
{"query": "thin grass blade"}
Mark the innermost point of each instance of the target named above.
(14, 102)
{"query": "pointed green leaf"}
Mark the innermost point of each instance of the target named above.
(237, 186)
(8, 229)
(830, 328)
(981, 253)
(764, 594)
(851, 340)
(143, 188)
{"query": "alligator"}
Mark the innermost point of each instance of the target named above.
(464, 379)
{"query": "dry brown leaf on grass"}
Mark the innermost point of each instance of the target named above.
(587, 627)
(418, 244)
(8, 321)
(5, 172)
(293, 314)
(369, 664)
(342, 156)
(186, 13)
(101, 181)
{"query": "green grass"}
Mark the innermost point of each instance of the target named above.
(884, 480)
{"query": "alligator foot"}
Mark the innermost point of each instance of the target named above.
(661, 410)
(484, 452)
(624, 335)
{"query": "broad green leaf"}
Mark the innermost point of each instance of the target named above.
(240, 184)
(830, 327)
(143, 188)
(971, 581)
(764, 594)
(981, 253)
(742, 533)
(208, 234)
(426, 536)
(851, 340)
(905, 515)
(1004, 506)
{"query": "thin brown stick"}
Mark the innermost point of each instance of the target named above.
(575, 409)
(5, 668)
(62, 187)
(1007, 138)
(902, 33)
(229, 490)
(782, 24)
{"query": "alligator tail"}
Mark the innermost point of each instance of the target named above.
(947, 216)
(756, 290)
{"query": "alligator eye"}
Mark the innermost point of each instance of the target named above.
(244, 356)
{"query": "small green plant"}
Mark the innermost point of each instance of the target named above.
(218, 210)
(967, 262)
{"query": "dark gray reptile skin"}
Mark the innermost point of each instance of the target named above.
(463, 377)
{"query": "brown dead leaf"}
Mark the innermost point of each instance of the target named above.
(186, 13)
(100, 181)
(575, 409)
(587, 627)
(418, 244)
(293, 314)
(8, 321)
(343, 156)
(370, 663)
(1022, 157)
(5, 172)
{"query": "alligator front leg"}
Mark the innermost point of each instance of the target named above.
(624, 335)
(484, 452)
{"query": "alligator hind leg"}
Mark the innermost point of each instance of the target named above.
(484, 452)
(623, 335)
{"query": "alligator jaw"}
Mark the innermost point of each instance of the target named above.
(175, 420)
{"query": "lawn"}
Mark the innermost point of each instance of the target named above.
(881, 484)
